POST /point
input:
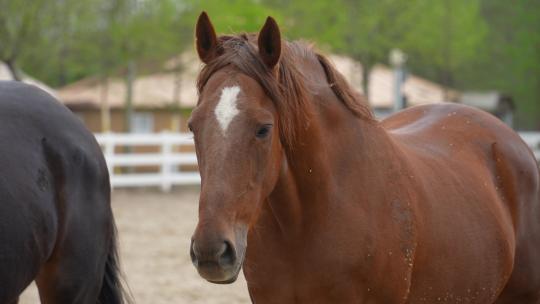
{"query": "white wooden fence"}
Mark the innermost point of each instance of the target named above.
(170, 158)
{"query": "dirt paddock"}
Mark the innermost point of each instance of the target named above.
(155, 231)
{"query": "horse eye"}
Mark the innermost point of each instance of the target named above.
(190, 128)
(263, 131)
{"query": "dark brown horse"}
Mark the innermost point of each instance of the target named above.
(56, 224)
(321, 203)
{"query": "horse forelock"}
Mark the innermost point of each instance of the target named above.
(288, 90)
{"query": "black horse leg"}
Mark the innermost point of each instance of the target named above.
(74, 273)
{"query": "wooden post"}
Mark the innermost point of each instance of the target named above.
(109, 146)
(166, 167)
(105, 109)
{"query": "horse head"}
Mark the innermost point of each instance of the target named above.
(235, 127)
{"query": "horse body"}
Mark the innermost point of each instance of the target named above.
(408, 191)
(427, 219)
(56, 224)
(435, 203)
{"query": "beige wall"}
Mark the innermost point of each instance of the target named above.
(163, 120)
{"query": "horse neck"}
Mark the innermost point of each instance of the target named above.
(313, 175)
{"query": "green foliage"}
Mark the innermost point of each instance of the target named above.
(20, 22)
(509, 59)
(78, 38)
(465, 44)
(446, 35)
(428, 31)
(235, 16)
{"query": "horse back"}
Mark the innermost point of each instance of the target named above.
(461, 139)
(477, 201)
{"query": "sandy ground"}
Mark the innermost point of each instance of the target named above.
(155, 231)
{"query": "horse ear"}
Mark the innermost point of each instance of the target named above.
(269, 42)
(206, 39)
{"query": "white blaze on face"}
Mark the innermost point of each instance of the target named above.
(226, 108)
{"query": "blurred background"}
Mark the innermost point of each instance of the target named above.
(129, 65)
(127, 69)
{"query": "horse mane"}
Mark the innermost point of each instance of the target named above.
(287, 91)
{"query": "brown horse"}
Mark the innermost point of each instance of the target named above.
(56, 224)
(321, 203)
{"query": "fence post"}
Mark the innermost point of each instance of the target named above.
(109, 146)
(166, 167)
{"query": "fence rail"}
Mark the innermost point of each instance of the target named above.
(175, 152)
(170, 159)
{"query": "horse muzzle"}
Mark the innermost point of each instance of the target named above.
(218, 261)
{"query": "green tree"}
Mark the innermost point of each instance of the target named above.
(446, 36)
(63, 52)
(466, 44)
(438, 36)
(235, 16)
(509, 59)
(21, 23)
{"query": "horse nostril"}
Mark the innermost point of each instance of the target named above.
(192, 253)
(222, 256)
(228, 254)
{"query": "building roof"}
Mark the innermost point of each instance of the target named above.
(149, 91)
(381, 86)
(157, 90)
(5, 74)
